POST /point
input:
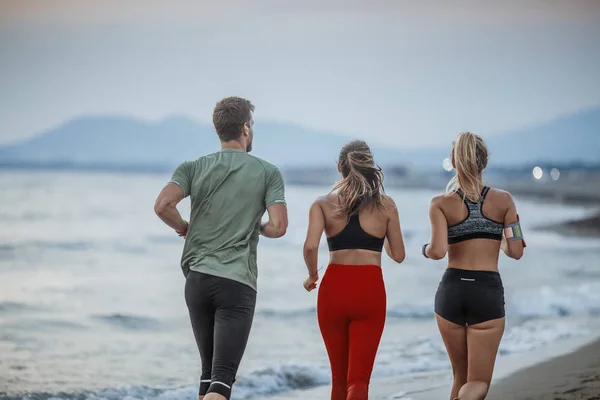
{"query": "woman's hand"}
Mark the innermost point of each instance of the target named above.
(310, 283)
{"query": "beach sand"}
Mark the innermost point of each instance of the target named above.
(572, 376)
(566, 370)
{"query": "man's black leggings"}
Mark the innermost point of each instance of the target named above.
(221, 312)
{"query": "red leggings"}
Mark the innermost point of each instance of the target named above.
(351, 309)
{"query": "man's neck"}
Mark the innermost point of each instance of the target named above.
(232, 144)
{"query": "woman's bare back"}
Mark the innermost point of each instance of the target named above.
(373, 221)
(475, 254)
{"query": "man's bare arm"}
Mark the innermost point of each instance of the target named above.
(166, 207)
(277, 224)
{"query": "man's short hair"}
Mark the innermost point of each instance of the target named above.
(229, 117)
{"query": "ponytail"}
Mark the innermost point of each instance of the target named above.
(469, 157)
(362, 183)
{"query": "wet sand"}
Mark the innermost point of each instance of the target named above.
(572, 376)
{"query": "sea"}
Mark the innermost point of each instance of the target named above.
(92, 305)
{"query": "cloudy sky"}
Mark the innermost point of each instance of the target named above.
(393, 72)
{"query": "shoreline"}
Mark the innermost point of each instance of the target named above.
(572, 376)
(534, 374)
(578, 192)
(538, 374)
(582, 193)
(583, 227)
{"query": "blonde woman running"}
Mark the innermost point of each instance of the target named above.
(468, 222)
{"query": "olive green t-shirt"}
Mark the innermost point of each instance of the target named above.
(229, 191)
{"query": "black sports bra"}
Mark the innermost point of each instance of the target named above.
(353, 236)
(476, 225)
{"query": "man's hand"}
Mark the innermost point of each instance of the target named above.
(183, 232)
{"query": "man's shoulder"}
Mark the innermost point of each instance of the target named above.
(198, 160)
(205, 160)
(265, 164)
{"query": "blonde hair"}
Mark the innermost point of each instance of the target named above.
(469, 157)
(361, 185)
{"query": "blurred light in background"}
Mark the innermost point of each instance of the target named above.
(555, 174)
(447, 164)
(537, 173)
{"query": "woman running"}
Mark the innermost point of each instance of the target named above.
(358, 220)
(468, 222)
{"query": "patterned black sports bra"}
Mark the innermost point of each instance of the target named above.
(475, 225)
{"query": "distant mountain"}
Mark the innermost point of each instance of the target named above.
(575, 138)
(126, 142)
(118, 140)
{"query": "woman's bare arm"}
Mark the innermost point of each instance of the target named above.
(394, 243)
(438, 247)
(512, 248)
(316, 226)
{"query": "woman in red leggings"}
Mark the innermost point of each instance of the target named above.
(358, 220)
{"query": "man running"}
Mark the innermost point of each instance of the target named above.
(230, 191)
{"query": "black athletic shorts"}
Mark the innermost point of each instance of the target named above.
(467, 297)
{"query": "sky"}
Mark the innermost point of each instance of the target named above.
(398, 73)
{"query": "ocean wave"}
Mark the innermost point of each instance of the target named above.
(12, 250)
(163, 239)
(37, 245)
(12, 306)
(281, 379)
(271, 313)
(536, 333)
(583, 274)
(561, 301)
(411, 311)
(429, 354)
(561, 243)
(421, 355)
(78, 245)
(130, 248)
(260, 383)
(44, 323)
(405, 311)
(565, 301)
(25, 217)
(129, 322)
(7, 251)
